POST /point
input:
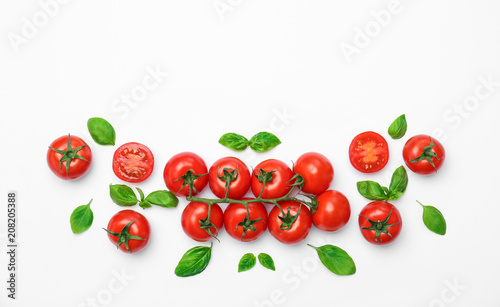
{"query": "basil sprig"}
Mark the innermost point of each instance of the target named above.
(398, 128)
(374, 191)
(81, 219)
(261, 142)
(123, 195)
(194, 261)
(434, 219)
(101, 131)
(335, 259)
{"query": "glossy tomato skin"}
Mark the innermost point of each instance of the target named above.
(236, 213)
(316, 170)
(133, 162)
(333, 211)
(196, 211)
(140, 228)
(414, 148)
(280, 184)
(378, 211)
(77, 167)
(237, 188)
(177, 166)
(300, 228)
(369, 152)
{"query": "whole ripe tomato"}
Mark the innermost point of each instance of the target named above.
(196, 211)
(369, 152)
(178, 166)
(133, 162)
(333, 211)
(286, 231)
(380, 222)
(423, 154)
(235, 169)
(245, 226)
(129, 231)
(316, 170)
(276, 176)
(69, 157)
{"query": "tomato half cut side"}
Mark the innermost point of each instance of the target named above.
(369, 152)
(133, 162)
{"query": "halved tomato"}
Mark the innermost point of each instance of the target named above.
(133, 162)
(369, 152)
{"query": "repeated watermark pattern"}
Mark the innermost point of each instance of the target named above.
(449, 294)
(115, 286)
(363, 36)
(223, 7)
(31, 27)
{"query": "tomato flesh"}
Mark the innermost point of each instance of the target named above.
(133, 162)
(369, 152)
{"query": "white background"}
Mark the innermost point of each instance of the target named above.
(249, 66)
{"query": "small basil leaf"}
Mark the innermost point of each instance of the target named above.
(371, 190)
(101, 131)
(234, 141)
(335, 259)
(267, 261)
(81, 219)
(122, 195)
(434, 220)
(194, 261)
(398, 128)
(163, 198)
(246, 262)
(145, 204)
(399, 182)
(264, 141)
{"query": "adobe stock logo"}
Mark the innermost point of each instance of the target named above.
(364, 36)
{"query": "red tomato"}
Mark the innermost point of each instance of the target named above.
(131, 229)
(237, 188)
(133, 162)
(280, 175)
(316, 170)
(369, 152)
(380, 222)
(69, 157)
(423, 154)
(178, 166)
(333, 211)
(241, 227)
(298, 230)
(196, 211)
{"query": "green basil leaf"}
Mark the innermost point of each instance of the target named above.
(335, 259)
(81, 219)
(372, 190)
(122, 195)
(194, 261)
(399, 182)
(398, 128)
(101, 131)
(434, 220)
(145, 204)
(234, 141)
(267, 261)
(264, 141)
(163, 198)
(246, 262)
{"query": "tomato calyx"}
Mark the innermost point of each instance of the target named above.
(247, 224)
(188, 179)
(263, 176)
(230, 175)
(69, 154)
(124, 236)
(427, 154)
(287, 219)
(380, 227)
(206, 224)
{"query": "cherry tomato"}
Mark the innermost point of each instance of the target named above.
(316, 170)
(333, 211)
(237, 188)
(369, 152)
(178, 166)
(380, 222)
(298, 230)
(240, 226)
(131, 229)
(69, 157)
(279, 176)
(423, 154)
(133, 162)
(196, 211)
